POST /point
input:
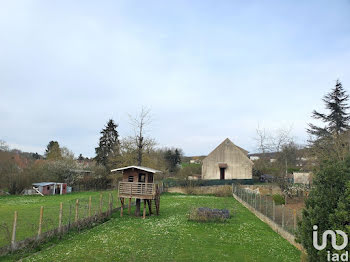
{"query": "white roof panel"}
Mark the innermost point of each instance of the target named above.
(147, 169)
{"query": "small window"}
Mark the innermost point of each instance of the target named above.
(131, 179)
(142, 178)
(48, 187)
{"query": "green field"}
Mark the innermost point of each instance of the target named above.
(28, 209)
(171, 237)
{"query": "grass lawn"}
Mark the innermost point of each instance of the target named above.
(28, 208)
(171, 237)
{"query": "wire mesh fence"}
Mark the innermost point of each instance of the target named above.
(282, 215)
(30, 226)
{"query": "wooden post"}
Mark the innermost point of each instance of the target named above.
(144, 209)
(60, 218)
(282, 216)
(129, 206)
(89, 208)
(265, 205)
(76, 210)
(14, 228)
(295, 219)
(138, 207)
(100, 210)
(121, 206)
(40, 220)
(109, 204)
(116, 205)
(150, 206)
(273, 210)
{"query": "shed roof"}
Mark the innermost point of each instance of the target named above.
(147, 169)
(44, 183)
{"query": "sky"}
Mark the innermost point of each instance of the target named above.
(207, 70)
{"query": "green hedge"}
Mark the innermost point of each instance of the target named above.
(216, 182)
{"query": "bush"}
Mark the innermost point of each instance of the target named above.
(278, 199)
(205, 214)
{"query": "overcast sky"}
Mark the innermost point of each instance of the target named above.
(207, 69)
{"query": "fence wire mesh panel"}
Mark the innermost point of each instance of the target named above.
(282, 215)
(37, 222)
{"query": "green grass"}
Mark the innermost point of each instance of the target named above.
(191, 164)
(171, 237)
(28, 209)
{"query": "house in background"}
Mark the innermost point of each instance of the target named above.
(227, 161)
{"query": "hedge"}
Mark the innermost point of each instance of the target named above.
(215, 182)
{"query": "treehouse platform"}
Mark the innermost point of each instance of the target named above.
(138, 183)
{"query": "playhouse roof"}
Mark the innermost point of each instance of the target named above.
(147, 169)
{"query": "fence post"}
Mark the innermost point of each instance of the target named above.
(282, 216)
(255, 201)
(100, 203)
(295, 219)
(76, 210)
(266, 205)
(89, 208)
(109, 203)
(60, 218)
(260, 208)
(14, 228)
(273, 210)
(40, 220)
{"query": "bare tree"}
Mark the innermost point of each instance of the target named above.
(272, 141)
(284, 149)
(140, 124)
(262, 139)
(3, 146)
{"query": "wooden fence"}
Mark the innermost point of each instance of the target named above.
(56, 221)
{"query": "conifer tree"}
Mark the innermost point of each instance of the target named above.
(109, 144)
(337, 120)
(53, 151)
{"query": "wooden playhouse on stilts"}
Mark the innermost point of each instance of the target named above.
(138, 183)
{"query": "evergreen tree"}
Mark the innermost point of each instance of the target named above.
(80, 157)
(173, 158)
(53, 151)
(109, 145)
(326, 206)
(337, 120)
(36, 155)
(178, 156)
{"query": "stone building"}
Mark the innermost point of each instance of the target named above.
(227, 161)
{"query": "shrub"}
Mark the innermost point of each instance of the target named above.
(205, 214)
(279, 199)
